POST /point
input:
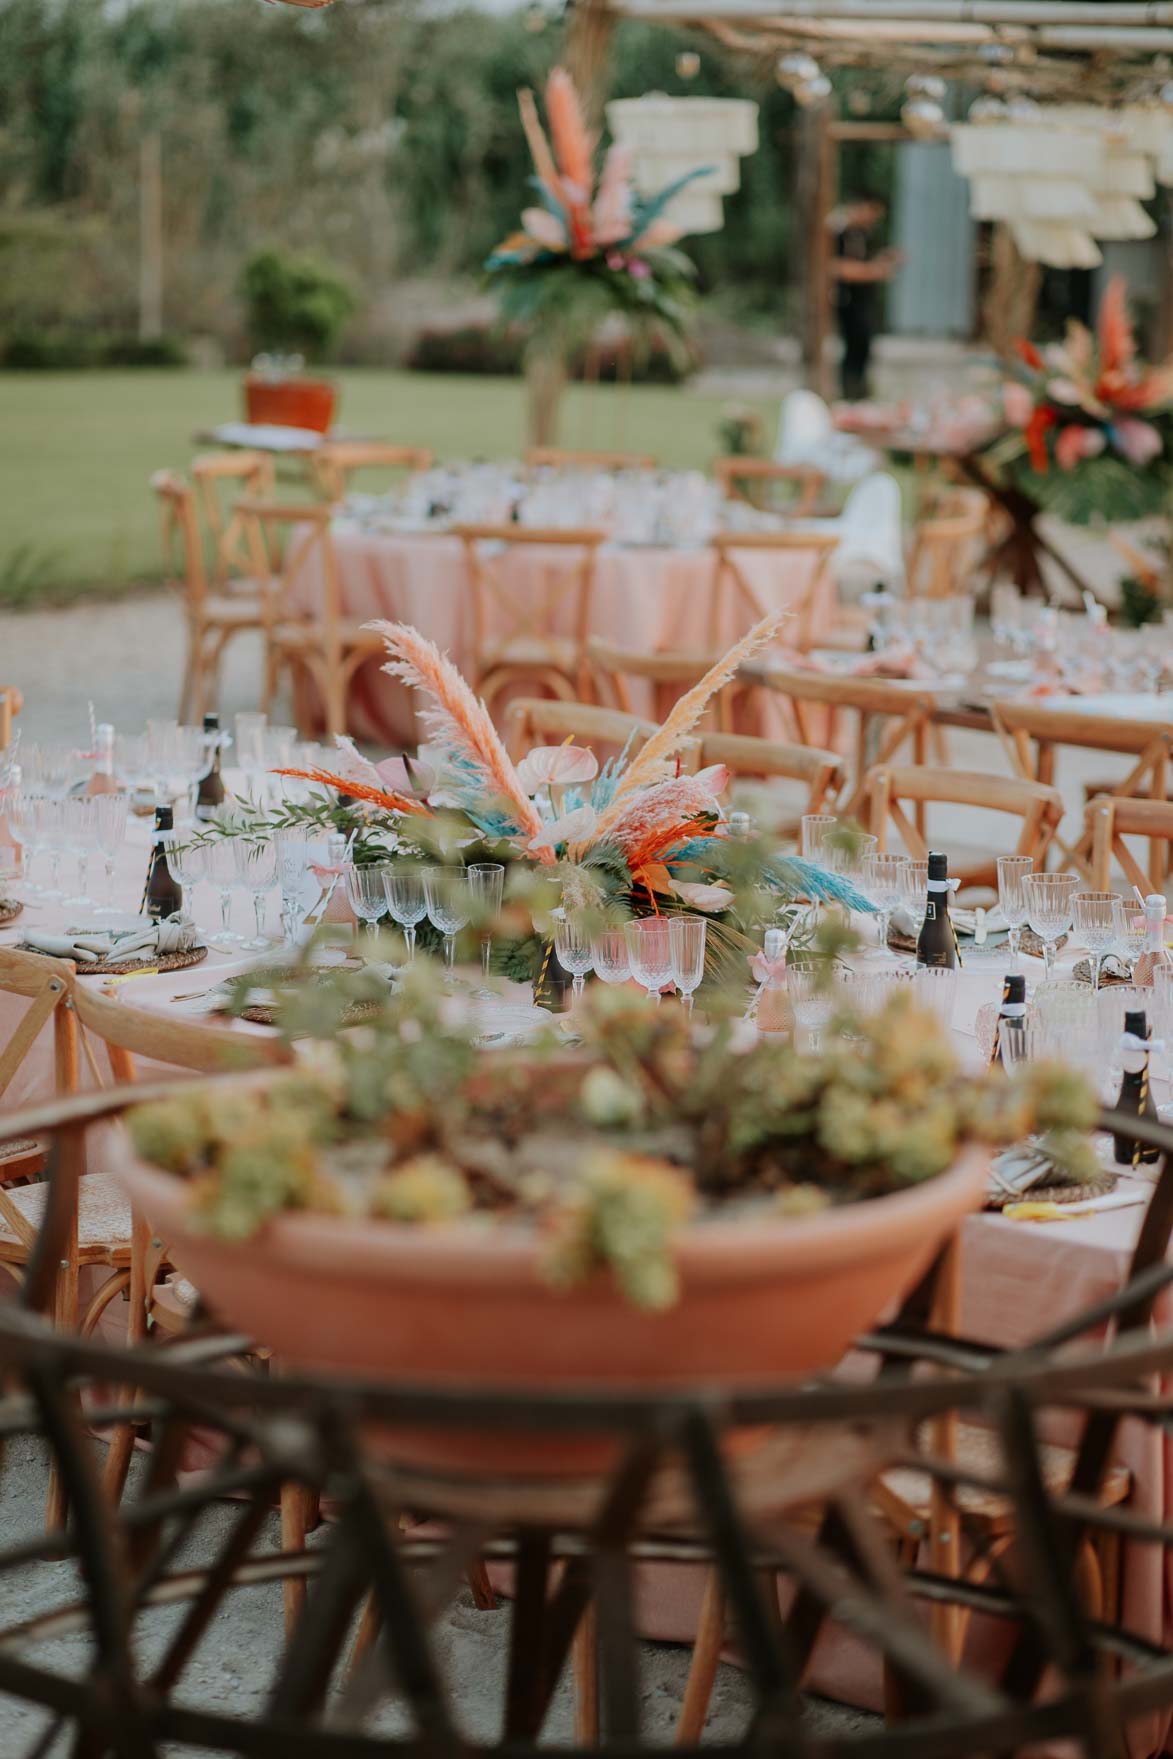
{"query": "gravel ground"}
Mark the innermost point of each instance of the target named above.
(232, 1671)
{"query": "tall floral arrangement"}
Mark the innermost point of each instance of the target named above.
(590, 245)
(1088, 422)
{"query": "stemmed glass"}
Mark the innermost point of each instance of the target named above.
(293, 853)
(187, 860)
(406, 900)
(449, 906)
(883, 878)
(51, 826)
(1048, 909)
(686, 937)
(1012, 873)
(610, 956)
(572, 943)
(250, 746)
(1096, 919)
(110, 815)
(366, 892)
(256, 869)
(486, 885)
(649, 950)
(223, 873)
(79, 837)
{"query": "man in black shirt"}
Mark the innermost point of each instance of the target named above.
(857, 274)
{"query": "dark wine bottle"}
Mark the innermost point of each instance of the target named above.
(210, 791)
(936, 944)
(1136, 1093)
(162, 894)
(552, 984)
(1011, 1014)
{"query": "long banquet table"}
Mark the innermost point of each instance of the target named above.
(645, 597)
(1016, 1279)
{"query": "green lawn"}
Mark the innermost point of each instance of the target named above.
(76, 450)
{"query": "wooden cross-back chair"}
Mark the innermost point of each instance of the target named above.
(774, 760)
(515, 612)
(947, 543)
(291, 549)
(1038, 807)
(758, 482)
(737, 596)
(667, 675)
(11, 703)
(197, 1047)
(531, 721)
(219, 480)
(1108, 820)
(213, 619)
(44, 984)
(888, 717)
(1035, 732)
(564, 458)
(335, 461)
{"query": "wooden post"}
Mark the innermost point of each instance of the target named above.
(816, 190)
(150, 279)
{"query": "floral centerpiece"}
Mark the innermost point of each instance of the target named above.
(1088, 422)
(637, 835)
(591, 246)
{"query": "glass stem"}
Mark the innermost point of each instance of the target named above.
(578, 985)
(225, 909)
(409, 937)
(1048, 959)
(686, 998)
(1095, 960)
(486, 955)
(372, 928)
(449, 952)
(1015, 941)
(259, 914)
(109, 882)
(656, 996)
(885, 919)
(54, 868)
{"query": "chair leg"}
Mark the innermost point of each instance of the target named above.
(480, 1586)
(585, 1662)
(706, 1655)
(297, 1507)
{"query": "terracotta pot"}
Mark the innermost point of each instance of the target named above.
(760, 1300)
(290, 403)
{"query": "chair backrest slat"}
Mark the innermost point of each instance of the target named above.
(1040, 808)
(336, 461)
(534, 721)
(739, 478)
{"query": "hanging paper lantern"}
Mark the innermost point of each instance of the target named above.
(670, 137)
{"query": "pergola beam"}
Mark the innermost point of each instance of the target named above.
(1108, 16)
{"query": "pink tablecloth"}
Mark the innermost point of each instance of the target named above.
(644, 598)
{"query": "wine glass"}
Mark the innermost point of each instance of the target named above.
(293, 854)
(110, 815)
(686, 937)
(79, 839)
(649, 951)
(250, 746)
(187, 860)
(449, 906)
(572, 943)
(406, 900)
(51, 827)
(1012, 872)
(486, 885)
(256, 869)
(1096, 919)
(883, 878)
(811, 997)
(1048, 909)
(366, 892)
(222, 872)
(610, 956)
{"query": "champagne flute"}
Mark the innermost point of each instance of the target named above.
(572, 943)
(1012, 872)
(650, 951)
(883, 878)
(79, 838)
(293, 854)
(110, 813)
(610, 956)
(366, 892)
(1048, 909)
(406, 900)
(222, 872)
(449, 906)
(686, 937)
(51, 823)
(486, 884)
(1096, 919)
(188, 862)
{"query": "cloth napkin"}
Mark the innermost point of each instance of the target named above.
(174, 934)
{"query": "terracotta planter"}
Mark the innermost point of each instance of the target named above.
(290, 403)
(759, 1301)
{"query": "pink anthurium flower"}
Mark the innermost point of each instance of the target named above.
(1139, 441)
(544, 228)
(709, 899)
(715, 779)
(556, 766)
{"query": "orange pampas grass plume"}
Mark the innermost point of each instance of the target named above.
(574, 149)
(1117, 342)
(456, 717)
(539, 149)
(384, 797)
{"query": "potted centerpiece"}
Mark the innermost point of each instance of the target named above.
(656, 1207)
(296, 310)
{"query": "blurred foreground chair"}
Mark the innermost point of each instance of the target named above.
(1108, 820)
(291, 550)
(219, 480)
(335, 462)
(760, 573)
(947, 544)
(560, 458)
(213, 619)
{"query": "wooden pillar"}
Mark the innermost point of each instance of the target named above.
(586, 54)
(816, 191)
